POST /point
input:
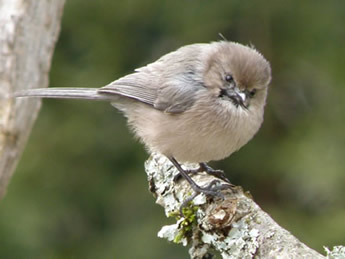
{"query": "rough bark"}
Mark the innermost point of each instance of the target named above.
(235, 227)
(28, 33)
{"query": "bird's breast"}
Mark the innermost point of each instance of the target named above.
(201, 134)
(217, 133)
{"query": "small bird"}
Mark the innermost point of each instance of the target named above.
(199, 103)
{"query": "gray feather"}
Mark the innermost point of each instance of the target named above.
(169, 84)
(65, 93)
(140, 86)
(135, 92)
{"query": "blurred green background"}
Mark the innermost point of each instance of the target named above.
(80, 189)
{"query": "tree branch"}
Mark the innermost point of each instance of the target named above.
(28, 33)
(235, 227)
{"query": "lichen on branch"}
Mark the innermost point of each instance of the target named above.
(234, 227)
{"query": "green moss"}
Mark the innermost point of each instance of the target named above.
(188, 223)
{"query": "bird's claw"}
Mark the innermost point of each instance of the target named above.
(213, 189)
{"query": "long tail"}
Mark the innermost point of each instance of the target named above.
(66, 93)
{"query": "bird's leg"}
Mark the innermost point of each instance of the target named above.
(212, 189)
(203, 167)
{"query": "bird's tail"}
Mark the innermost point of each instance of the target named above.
(66, 93)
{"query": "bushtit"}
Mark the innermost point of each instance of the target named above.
(199, 103)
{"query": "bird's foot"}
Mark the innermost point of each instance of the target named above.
(213, 190)
(203, 167)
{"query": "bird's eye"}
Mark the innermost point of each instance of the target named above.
(252, 93)
(229, 78)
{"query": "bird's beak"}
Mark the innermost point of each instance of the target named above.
(237, 97)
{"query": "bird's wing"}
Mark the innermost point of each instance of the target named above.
(169, 84)
(136, 86)
(178, 95)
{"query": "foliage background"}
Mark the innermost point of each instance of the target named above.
(80, 190)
